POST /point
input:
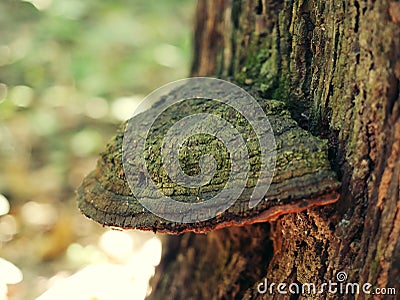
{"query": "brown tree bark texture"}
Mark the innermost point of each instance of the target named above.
(337, 66)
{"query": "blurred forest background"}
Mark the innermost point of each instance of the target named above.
(70, 72)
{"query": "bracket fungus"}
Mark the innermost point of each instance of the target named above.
(302, 176)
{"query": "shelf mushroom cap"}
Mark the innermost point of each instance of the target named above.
(302, 177)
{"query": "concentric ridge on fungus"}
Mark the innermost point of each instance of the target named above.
(303, 177)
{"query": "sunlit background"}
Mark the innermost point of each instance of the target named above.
(70, 72)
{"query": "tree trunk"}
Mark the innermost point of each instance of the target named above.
(336, 64)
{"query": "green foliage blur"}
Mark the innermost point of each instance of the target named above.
(68, 64)
(70, 72)
(102, 48)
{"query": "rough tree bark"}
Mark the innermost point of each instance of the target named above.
(337, 66)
